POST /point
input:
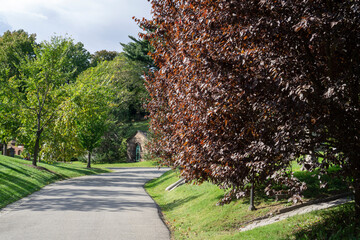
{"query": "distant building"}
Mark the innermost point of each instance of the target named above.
(136, 147)
(12, 148)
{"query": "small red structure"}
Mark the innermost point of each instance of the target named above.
(16, 149)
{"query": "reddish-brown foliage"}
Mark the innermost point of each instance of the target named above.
(245, 87)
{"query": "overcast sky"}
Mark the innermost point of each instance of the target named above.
(98, 24)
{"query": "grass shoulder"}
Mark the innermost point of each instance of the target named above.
(150, 163)
(191, 213)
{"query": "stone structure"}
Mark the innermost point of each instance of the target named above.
(11, 148)
(136, 147)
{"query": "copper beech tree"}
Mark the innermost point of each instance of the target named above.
(246, 87)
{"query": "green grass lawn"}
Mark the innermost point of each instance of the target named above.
(330, 224)
(18, 179)
(119, 165)
(191, 212)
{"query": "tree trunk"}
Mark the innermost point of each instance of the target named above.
(355, 174)
(357, 200)
(4, 148)
(36, 148)
(89, 160)
(252, 206)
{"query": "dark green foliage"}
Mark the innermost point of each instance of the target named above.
(79, 59)
(128, 102)
(112, 147)
(13, 47)
(138, 50)
(128, 76)
(330, 183)
(130, 128)
(103, 55)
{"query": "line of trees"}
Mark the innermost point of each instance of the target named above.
(245, 88)
(60, 101)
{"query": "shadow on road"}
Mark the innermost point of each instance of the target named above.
(110, 192)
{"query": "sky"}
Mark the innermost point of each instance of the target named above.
(98, 24)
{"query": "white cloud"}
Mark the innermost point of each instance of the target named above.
(98, 24)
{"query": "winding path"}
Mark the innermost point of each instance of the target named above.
(107, 206)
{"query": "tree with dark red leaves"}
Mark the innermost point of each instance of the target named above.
(246, 87)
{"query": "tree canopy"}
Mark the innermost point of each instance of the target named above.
(103, 55)
(13, 47)
(246, 87)
(92, 102)
(139, 50)
(40, 88)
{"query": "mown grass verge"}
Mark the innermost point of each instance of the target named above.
(191, 213)
(18, 179)
(119, 165)
(329, 224)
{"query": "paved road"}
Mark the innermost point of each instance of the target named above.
(107, 206)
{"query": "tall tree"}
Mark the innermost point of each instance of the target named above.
(60, 142)
(13, 47)
(139, 50)
(126, 80)
(93, 99)
(315, 65)
(245, 87)
(40, 87)
(129, 81)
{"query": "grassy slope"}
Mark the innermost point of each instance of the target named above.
(18, 180)
(334, 223)
(191, 212)
(119, 165)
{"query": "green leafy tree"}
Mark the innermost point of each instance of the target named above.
(39, 89)
(129, 78)
(14, 46)
(125, 79)
(103, 55)
(60, 141)
(90, 130)
(92, 100)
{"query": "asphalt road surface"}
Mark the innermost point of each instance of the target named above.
(107, 206)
